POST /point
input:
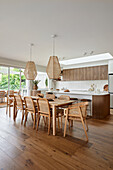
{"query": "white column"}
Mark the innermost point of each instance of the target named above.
(29, 87)
(50, 83)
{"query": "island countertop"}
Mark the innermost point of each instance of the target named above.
(99, 102)
(78, 92)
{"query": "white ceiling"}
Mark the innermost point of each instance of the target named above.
(81, 25)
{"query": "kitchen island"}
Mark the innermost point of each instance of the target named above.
(99, 102)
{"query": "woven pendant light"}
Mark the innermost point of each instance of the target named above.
(30, 71)
(53, 68)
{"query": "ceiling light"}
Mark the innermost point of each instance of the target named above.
(53, 68)
(30, 71)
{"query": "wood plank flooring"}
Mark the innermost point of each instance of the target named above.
(22, 148)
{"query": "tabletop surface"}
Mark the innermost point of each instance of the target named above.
(57, 102)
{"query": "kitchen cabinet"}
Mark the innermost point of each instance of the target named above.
(89, 75)
(71, 74)
(86, 73)
(104, 72)
(81, 74)
(95, 73)
(100, 106)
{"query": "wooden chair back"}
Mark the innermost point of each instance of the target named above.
(50, 96)
(78, 108)
(64, 97)
(77, 112)
(40, 95)
(10, 92)
(43, 106)
(2, 96)
(30, 106)
(17, 92)
(19, 102)
(10, 99)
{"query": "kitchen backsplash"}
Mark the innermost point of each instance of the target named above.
(80, 85)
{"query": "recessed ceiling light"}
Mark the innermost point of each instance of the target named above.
(92, 58)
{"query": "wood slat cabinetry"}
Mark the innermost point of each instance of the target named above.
(86, 73)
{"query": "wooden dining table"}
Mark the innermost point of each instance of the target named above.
(53, 104)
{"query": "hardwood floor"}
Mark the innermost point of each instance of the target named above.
(24, 148)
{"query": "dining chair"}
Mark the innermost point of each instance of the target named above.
(43, 110)
(40, 95)
(19, 105)
(64, 97)
(60, 111)
(2, 96)
(17, 92)
(30, 108)
(10, 99)
(50, 96)
(77, 112)
(88, 110)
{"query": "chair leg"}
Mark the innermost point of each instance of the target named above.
(61, 121)
(49, 125)
(38, 121)
(84, 127)
(9, 111)
(22, 117)
(47, 121)
(50, 122)
(34, 121)
(16, 110)
(71, 123)
(58, 123)
(44, 121)
(6, 109)
(65, 126)
(26, 113)
(32, 116)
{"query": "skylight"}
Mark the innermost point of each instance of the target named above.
(93, 58)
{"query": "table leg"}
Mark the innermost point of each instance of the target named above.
(14, 111)
(54, 120)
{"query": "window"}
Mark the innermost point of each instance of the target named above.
(12, 78)
(3, 78)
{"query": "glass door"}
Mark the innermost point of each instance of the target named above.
(14, 78)
(3, 78)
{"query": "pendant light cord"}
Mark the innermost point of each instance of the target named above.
(31, 45)
(53, 46)
(53, 37)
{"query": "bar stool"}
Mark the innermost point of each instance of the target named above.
(76, 99)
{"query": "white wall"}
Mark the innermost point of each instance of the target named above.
(81, 85)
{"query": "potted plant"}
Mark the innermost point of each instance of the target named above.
(35, 84)
(46, 82)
